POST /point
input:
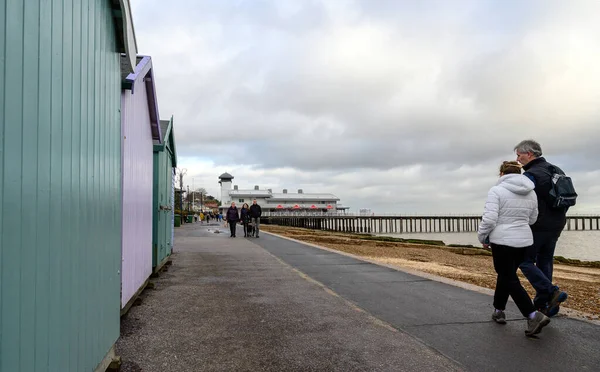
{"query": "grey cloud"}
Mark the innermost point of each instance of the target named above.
(353, 90)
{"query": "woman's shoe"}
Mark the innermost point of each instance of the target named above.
(499, 317)
(535, 325)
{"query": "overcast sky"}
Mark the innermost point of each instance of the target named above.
(399, 106)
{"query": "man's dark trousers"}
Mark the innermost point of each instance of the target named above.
(232, 226)
(537, 266)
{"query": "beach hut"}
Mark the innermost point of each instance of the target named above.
(140, 129)
(60, 181)
(165, 162)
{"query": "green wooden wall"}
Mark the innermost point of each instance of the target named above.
(60, 217)
(165, 159)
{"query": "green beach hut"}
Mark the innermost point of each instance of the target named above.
(165, 162)
(60, 181)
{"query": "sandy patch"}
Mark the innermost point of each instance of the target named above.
(429, 267)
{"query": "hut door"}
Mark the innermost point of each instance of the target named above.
(164, 217)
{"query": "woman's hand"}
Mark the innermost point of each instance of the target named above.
(486, 246)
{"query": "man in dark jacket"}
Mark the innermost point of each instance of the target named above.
(232, 217)
(539, 257)
(255, 213)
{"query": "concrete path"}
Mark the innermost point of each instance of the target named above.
(239, 305)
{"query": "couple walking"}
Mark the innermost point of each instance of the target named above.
(246, 216)
(522, 222)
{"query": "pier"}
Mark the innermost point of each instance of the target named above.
(403, 224)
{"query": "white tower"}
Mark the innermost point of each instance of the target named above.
(225, 182)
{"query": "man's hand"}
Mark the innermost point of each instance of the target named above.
(486, 246)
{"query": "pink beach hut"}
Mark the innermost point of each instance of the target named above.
(140, 127)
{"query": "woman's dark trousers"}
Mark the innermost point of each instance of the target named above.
(506, 262)
(232, 225)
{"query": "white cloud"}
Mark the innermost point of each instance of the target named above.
(404, 107)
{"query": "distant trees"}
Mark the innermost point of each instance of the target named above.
(200, 195)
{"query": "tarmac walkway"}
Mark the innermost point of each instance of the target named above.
(271, 304)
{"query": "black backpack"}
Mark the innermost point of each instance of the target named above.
(562, 192)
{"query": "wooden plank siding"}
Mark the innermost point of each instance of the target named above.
(165, 160)
(60, 184)
(137, 187)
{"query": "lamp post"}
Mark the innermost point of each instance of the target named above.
(188, 192)
(194, 196)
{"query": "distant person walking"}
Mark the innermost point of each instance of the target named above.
(245, 218)
(232, 217)
(510, 208)
(539, 257)
(255, 213)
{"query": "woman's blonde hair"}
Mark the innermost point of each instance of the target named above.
(510, 167)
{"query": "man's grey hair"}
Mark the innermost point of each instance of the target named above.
(529, 146)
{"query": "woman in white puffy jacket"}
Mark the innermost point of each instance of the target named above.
(510, 209)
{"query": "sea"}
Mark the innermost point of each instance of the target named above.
(580, 245)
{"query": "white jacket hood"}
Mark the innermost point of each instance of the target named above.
(517, 183)
(510, 208)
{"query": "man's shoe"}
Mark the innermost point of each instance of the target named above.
(499, 317)
(556, 299)
(535, 325)
(550, 312)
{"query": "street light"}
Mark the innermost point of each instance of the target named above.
(194, 196)
(180, 173)
(188, 192)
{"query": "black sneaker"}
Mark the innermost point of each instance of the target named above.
(499, 317)
(556, 299)
(535, 325)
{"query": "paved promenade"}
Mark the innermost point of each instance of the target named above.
(271, 304)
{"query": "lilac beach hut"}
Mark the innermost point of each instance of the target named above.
(140, 129)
